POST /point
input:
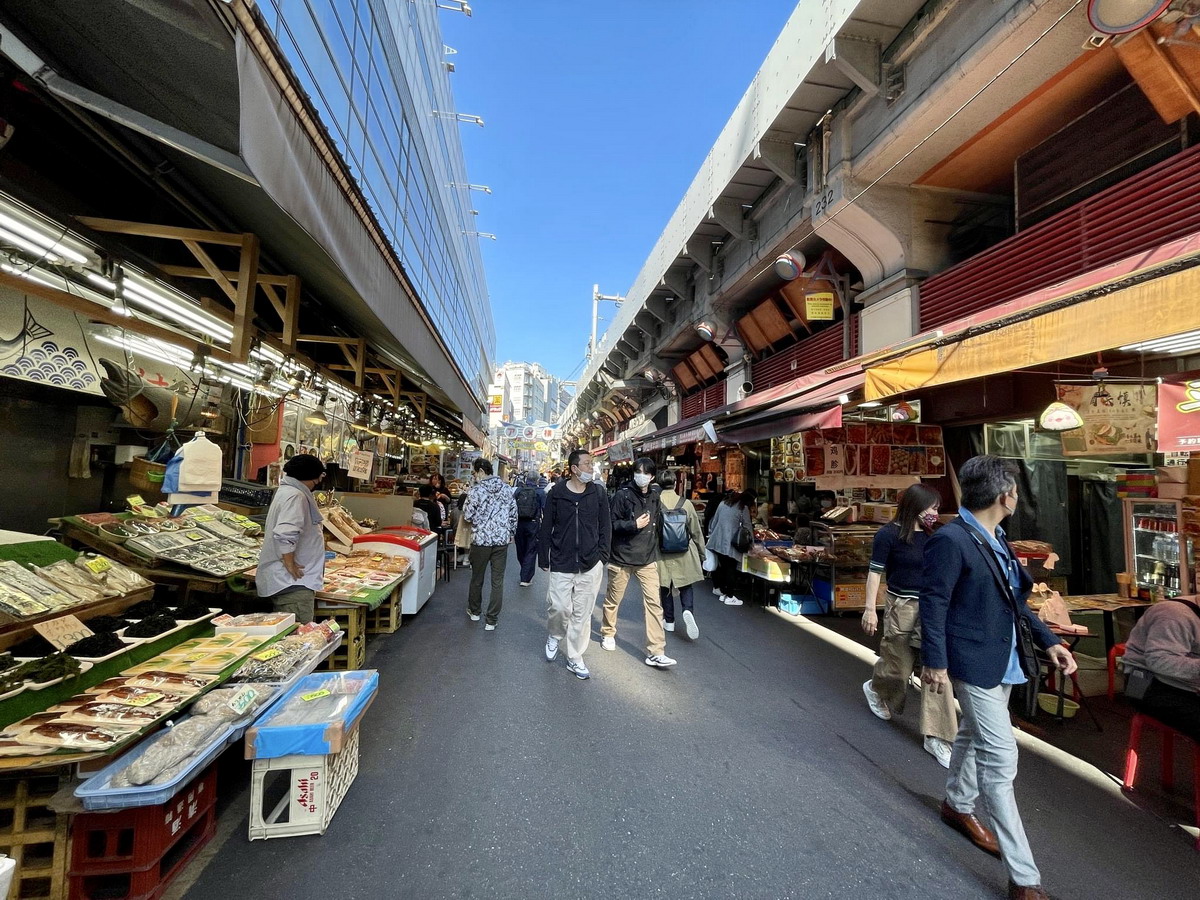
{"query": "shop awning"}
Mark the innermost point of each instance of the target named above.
(1140, 298)
(817, 407)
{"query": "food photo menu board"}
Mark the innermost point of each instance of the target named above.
(862, 448)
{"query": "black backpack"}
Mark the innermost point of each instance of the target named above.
(674, 535)
(527, 505)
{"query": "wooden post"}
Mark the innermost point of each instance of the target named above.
(243, 304)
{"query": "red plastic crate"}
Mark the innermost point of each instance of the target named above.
(149, 883)
(129, 840)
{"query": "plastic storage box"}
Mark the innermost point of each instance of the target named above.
(316, 717)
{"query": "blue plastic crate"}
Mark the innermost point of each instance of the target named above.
(293, 728)
(805, 604)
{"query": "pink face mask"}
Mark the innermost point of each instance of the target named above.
(929, 519)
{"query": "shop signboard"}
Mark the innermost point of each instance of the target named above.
(495, 403)
(860, 449)
(1117, 418)
(361, 463)
(621, 451)
(818, 306)
(1179, 414)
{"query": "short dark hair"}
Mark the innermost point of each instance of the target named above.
(425, 490)
(666, 480)
(304, 467)
(646, 466)
(915, 500)
(483, 465)
(983, 479)
(573, 459)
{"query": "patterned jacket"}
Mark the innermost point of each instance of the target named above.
(492, 512)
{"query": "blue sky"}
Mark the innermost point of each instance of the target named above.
(598, 114)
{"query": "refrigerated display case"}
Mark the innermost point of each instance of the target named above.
(1158, 554)
(841, 577)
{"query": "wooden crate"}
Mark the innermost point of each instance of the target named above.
(353, 652)
(34, 836)
(385, 619)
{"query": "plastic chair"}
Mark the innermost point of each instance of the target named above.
(1140, 722)
(1117, 650)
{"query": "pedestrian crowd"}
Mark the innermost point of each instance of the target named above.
(954, 607)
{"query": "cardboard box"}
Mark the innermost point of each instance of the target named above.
(1171, 490)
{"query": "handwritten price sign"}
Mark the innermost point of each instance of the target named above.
(63, 631)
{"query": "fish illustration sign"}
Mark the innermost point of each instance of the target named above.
(1179, 414)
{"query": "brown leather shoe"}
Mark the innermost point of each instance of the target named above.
(1027, 892)
(977, 833)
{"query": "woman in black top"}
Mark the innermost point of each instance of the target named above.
(898, 557)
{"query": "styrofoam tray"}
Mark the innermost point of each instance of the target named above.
(95, 660)
(84, 666)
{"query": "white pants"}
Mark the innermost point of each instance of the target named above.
(984, 762)
(570, 602)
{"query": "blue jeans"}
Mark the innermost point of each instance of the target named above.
(984, 761)
(668, 604)
(527, 547)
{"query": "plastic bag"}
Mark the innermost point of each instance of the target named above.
(710, 561)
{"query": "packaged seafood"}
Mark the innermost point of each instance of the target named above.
(111, 573)
(73, 736)
(115, 715)
(172, 681)
(175, 744)
(17, 576)
(74, 580)
(18, 603)
(137, 696)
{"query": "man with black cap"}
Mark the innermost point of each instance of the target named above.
(291, 563)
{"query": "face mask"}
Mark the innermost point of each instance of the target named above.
(585, 477)
(641, 479)
(929, 519)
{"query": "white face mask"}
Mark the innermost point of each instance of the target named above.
(585, 477)
(641, 479)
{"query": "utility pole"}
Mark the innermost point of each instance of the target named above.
(596, 298)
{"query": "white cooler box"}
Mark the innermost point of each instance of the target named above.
(420, 548)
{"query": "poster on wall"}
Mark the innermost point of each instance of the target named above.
(361, 463)
(860, 449)
(1179, 414)
(1117, 418)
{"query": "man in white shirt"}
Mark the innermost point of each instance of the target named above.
(291, 563)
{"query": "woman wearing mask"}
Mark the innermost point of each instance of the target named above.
(897, 555)
(678, 569)
(735, 511)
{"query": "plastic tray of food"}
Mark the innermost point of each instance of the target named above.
(96, 793)
(84, 666)
(96, 660)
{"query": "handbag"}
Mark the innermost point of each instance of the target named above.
(743, 538)
(464, 535)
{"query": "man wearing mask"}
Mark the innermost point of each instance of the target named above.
(635, 517)
(576, 531)
(492, 513)
(291, 563)
(973, 611)
(531, 500)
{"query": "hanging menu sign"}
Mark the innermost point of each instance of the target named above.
(860, 449)
(1179, 415)
(361, 463)
(1117, 418)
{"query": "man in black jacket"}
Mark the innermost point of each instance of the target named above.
(636, 513)
(574, 545)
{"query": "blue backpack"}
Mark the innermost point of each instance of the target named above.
(674, 535)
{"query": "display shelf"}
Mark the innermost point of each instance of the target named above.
(353, 651)
(316, 787)
(386, 619)
(34, 836)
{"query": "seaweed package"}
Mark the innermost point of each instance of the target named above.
(112, 574)
(17, 576)
(18, 603)
(75, 580)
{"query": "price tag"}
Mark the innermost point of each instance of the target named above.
(196, 657)
(334, 626)
(315, 695)
(269, 653)
(98, 566)
(135, 501)
(144, 699)
(195, 536)
(242, 699)
(203, 518)
(362, 595)
(63, 631)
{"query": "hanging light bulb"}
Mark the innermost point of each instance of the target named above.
(362, 421)
(1058, 416)
(211, 410)
(318, 416)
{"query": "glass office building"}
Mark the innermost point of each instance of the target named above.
(376, 72)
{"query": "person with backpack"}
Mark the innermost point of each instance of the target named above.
(635, 518)
(679, 551)
(732, 534)
(531, 500)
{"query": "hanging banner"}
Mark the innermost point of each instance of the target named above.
(495, 403)
(1117, 418)
(1179, 415)
(361, 463)
(818, 306)
(621, 451)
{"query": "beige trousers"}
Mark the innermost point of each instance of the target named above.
(618, 580)
(570, 602)
(899, 657)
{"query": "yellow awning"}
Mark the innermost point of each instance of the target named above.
(1158, 308)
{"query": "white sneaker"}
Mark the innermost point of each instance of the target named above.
(660, 661)
(877, 705)
(940, 749)
(668, 626)
(489, 627)
(690, 626)
(717, 591)
(551, 649)
(473, 617)
(733, 601)
(580, 670)
(526, 583)
(609, 643)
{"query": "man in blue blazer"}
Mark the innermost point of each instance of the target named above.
(973, 610)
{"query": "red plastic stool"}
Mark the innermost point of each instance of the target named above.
(1117, 650)
(1169, 736)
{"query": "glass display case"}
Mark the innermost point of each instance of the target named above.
(841, 579)
(1158, 554)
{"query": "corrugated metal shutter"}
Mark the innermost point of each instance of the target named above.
(703, 401)
(1151, 208)
(815, 352)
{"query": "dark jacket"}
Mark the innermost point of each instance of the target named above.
(633, 546)
(576, 529)
(966, 620)
(431, 509)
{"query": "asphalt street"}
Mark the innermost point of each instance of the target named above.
(752, 769)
